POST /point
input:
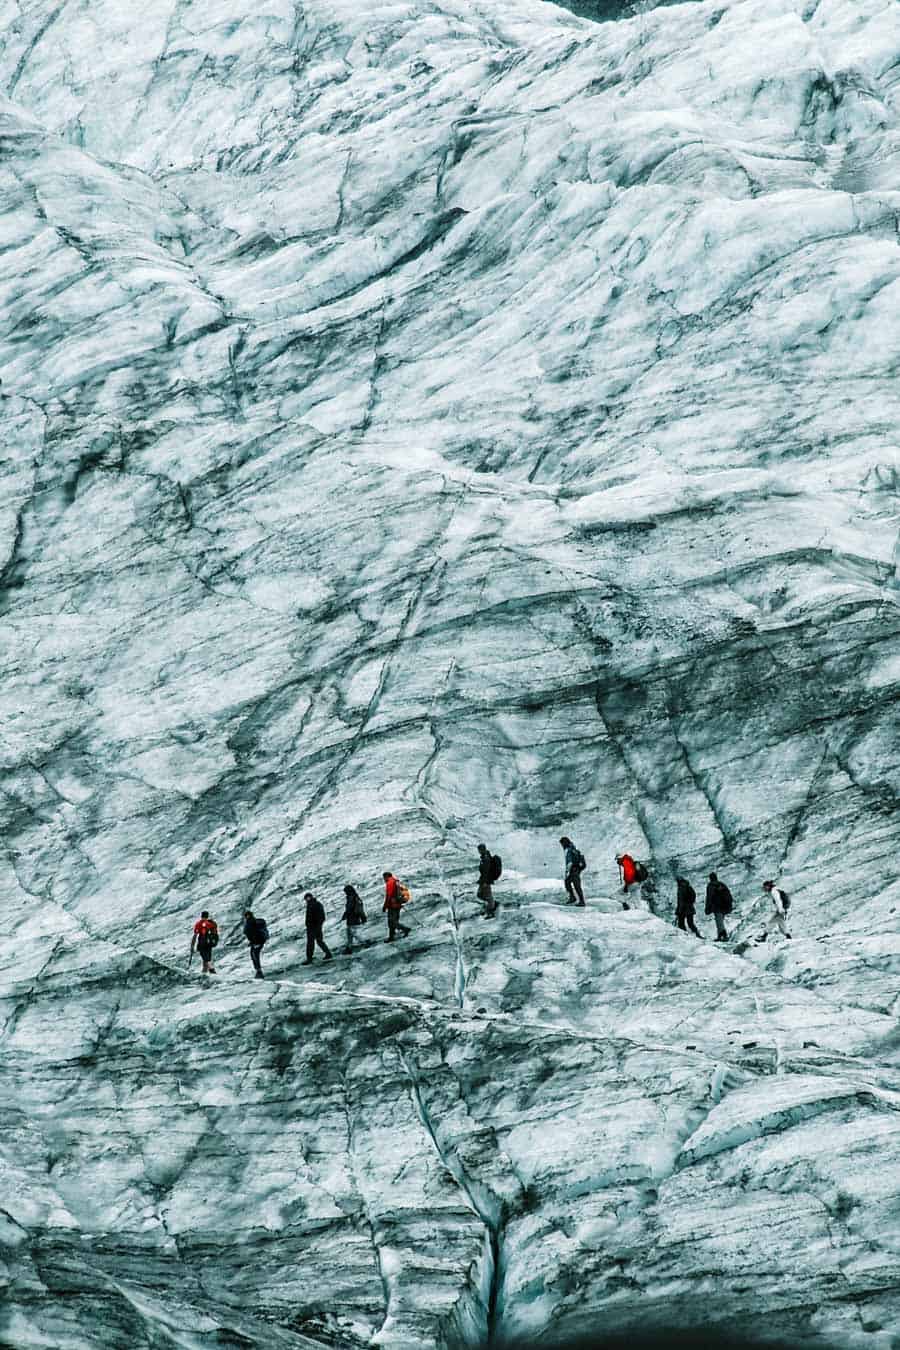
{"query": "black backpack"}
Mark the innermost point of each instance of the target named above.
(785, 899)
(580, 860)
(262, 932)
(640, 872)
(496, 866)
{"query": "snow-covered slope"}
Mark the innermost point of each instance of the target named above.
(430, 422)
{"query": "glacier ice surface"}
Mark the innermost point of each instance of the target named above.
(425, 423)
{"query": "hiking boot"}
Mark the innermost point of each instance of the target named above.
(328, 956)
(348, 951)
(405, 932)
(390, 939)
(625, 905)
(581, 904)
(307, 962)
(259, 975)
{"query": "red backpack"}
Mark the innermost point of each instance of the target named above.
(207, 931)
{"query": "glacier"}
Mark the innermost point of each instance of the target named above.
(425, 423)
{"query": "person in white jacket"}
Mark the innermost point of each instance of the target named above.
(779, 908)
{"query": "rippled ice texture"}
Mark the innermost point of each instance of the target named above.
(426, 422)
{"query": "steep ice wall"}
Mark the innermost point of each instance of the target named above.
(426, 423)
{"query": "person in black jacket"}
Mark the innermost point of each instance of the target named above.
(684, 906)
(718, 903)
(256, 931)
(315, 919)
(485, 880)
(574, 865)
(354, 914)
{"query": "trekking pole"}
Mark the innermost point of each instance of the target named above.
(190, 958)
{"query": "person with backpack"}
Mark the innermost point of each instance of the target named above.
(627, 871)
(396, 896)
(206, 936)
(719, 902)
(489, 869)
(685, 906)
(354, 914)
(256, 931)
(315, 920)
(780, 906)
(634, 873)
(575, 864)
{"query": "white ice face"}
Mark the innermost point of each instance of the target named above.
(429, 422)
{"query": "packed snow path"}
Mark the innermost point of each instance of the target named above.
(426, 423)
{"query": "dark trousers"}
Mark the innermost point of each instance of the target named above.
(486, 896)
(721, 931)
(254, 956)
(314, 939)
(573, 885)
(394, 923)
(686, 916)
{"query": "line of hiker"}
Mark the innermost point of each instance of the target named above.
(719, 900)
(632, 873)
(205, 938)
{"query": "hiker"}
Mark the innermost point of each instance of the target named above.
(206, 936)
(394, 900)
(719, 902)
(780, 906)
(575, 865)
(684, 906)
(315, 918)
(256, 931)
(627, 871)
(489, 869)
(634, 873)
(354, 914)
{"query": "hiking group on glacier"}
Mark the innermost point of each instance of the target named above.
(719, 903)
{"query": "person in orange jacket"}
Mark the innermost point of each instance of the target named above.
(393, 903)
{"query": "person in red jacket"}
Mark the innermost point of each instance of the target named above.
(393, 903)
(206, 935)
(627, 870)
